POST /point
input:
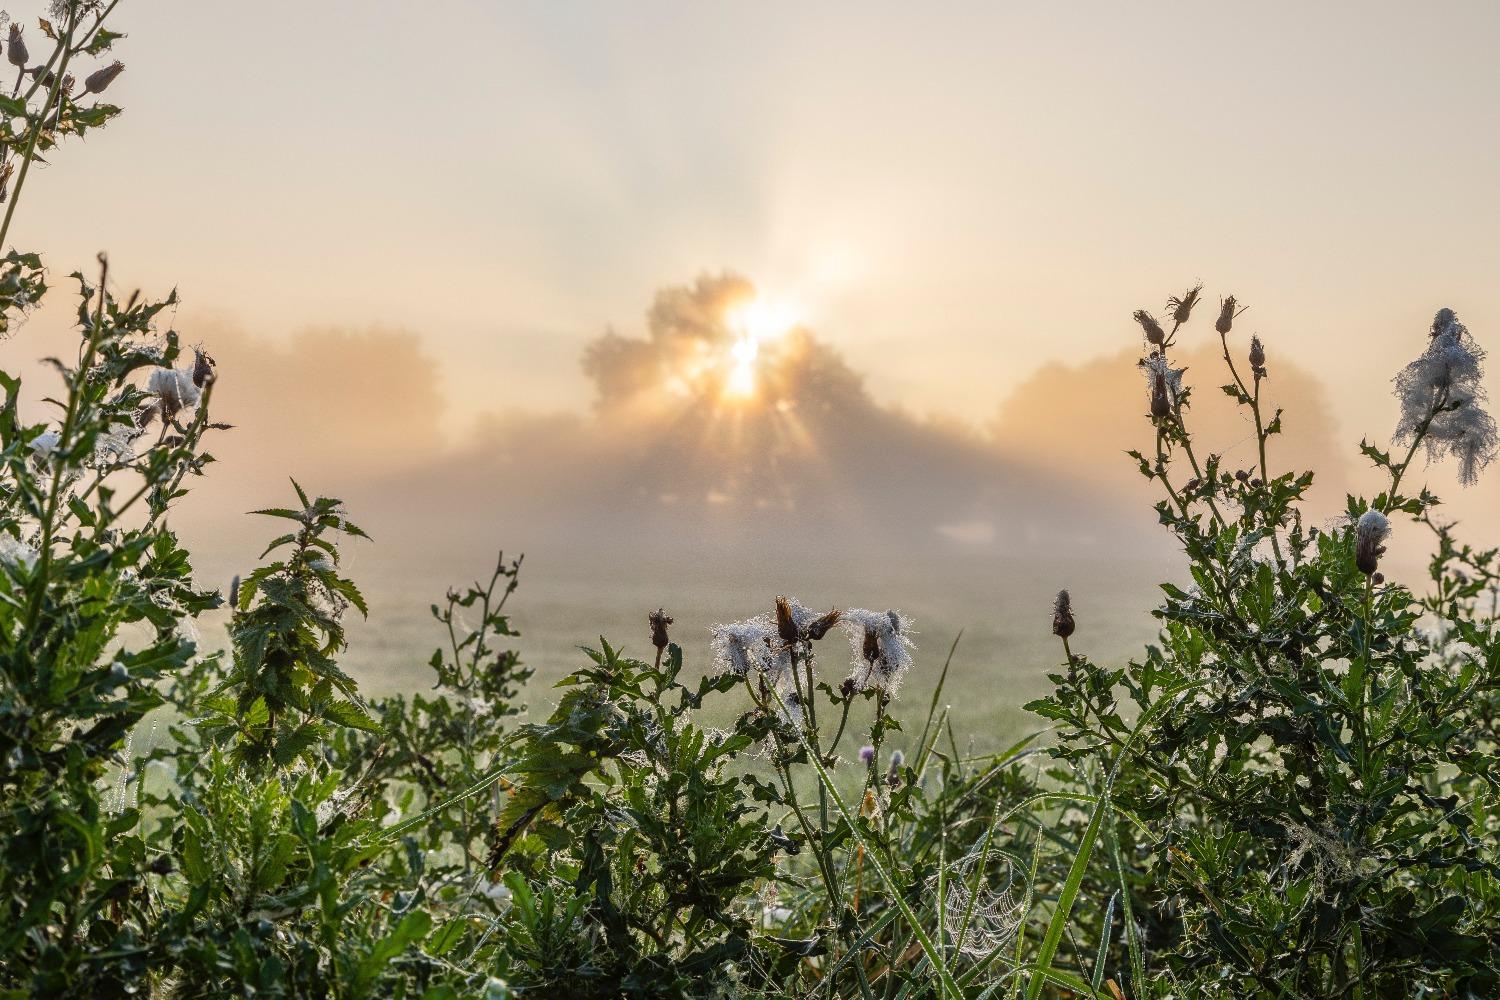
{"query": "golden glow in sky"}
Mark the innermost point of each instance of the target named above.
(754, 323)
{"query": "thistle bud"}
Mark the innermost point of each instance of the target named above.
(659, 620)
(1062, 615)
(1161, 404)
(101, 78)
(1257, 354)
(1154, 332)
(866, 754)
(203, 367)
(893, 773)
(16, 47)
(1242, 475)
(1377, 578)
(1226, 315)
(820, 625)
(786, 627)
(1182, 306)
(1370, 534)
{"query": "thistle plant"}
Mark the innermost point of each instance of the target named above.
(1302, 793)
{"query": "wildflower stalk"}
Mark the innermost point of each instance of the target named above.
(64, 441)
(1440, 403)
(945, 977)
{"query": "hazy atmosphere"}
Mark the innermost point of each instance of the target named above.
(749, 501)
(508, 293)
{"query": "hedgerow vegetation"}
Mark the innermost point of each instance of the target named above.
(1291, 793)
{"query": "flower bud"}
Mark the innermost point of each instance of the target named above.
(1062, 615)
(1161, 405)
(866, 754)
(203, 367)
(820, 625)
(16, 47)
(659, 620)
(893, 773)
(786, 627)
(1257, 353)
(1370, 534)
(99, 79)
(1154, 332)
(1377, 578)
(1226, 315)
(1182, 306)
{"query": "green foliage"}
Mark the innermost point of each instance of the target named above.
(1313, 804)
(285, 689)
(1292, 792)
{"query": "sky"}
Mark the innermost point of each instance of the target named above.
(454, 260)
(952, 196)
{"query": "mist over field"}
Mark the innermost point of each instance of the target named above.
(673, 490)
(749, 501)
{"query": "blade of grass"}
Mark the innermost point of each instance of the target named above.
(937, 693)
(390, 833)
(1127, 913)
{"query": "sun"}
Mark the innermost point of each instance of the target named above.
(754, 324)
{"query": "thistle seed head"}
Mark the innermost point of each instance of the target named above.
(880, 647)
(1370, 533)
